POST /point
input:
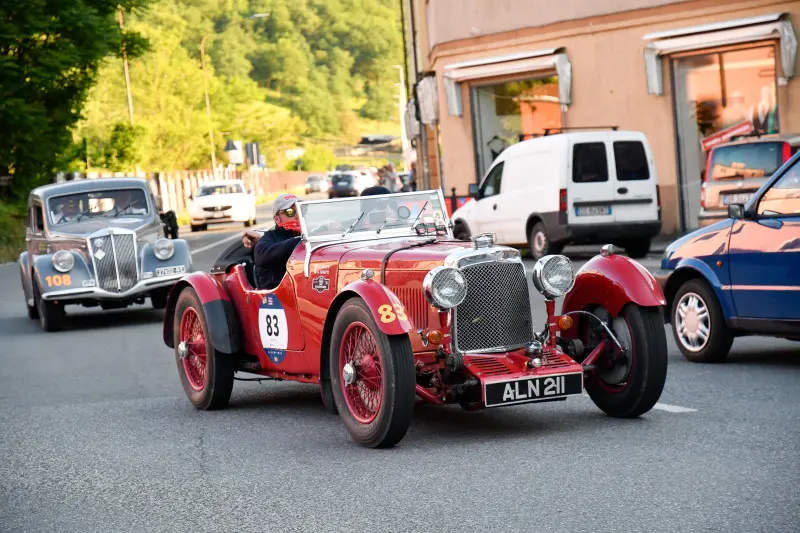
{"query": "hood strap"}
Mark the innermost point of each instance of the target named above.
(385, 260)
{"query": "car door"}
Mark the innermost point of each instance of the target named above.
(486, 214)
(634, 182)
(590, 193)
(764, 252)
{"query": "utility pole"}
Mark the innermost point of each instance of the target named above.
(208, 103)
(125, 68)
(402, 108)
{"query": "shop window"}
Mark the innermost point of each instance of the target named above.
(510, 112)
(491, 186)
(783, 198)
(589, 163)
(715, 92)
(631, 161)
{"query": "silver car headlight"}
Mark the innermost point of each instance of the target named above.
(553, 276)
(63, 261)
(164, 249)
(445, 287)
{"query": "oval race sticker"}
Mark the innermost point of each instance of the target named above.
(272, 328)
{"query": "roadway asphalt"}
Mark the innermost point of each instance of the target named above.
(96, 434)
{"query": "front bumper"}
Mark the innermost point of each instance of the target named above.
(95, 293)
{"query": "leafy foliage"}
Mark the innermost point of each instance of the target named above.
(49, 56)
(316, 157)
(304, 74)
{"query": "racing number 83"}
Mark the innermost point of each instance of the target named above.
(272, 325)
(391, 313)
(58, 280)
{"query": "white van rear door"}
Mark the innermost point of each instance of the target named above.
(634, 177)
(590, 191)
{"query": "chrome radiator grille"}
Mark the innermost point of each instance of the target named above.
(497, 311)
(114, 259)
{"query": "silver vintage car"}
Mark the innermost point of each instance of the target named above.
(97, 242)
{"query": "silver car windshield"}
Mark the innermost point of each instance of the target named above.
(365, 216)
(109, 203)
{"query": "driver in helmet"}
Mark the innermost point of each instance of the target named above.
(272, 250)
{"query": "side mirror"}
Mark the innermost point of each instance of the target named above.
(473, 190)
(736, 211)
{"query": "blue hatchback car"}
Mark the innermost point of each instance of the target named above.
(739, 276)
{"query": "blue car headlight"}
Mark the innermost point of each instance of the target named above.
(164, 249)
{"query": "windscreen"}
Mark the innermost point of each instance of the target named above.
(737, 161)
(210, 190)
(110, 203)
(395, 213)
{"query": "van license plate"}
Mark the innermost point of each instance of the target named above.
(593, 211)
(738, 198)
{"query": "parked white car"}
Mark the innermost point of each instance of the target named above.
(591, 187)
(220, 202)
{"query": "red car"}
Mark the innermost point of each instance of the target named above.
(381, 306)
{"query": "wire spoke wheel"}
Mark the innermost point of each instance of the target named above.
(193, 343)
(361, 368)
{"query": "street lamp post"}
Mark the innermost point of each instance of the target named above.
(205, 90)
(402, 109)
(125, 68)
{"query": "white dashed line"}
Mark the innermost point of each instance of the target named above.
(673, 408)
(664, 407)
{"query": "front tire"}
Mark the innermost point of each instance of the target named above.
(372, 376)
(698, 324)
(51, 315)
(638, 248)
(33, 311)
(206, 375)
(633, 384)
(158, 298)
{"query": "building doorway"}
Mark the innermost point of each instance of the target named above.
(509, 112)
(715, 91)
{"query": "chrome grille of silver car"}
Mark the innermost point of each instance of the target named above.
(115, 267)
(496, 314)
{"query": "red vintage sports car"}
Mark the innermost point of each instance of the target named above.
(380, 305)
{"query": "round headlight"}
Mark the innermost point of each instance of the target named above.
(164, 249)
(63, 261)
(553, 276)
(445, 287)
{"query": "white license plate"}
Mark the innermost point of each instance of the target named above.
(532, 389)
(593, 211)
(219, 215)
(166, 271)
(738, 198)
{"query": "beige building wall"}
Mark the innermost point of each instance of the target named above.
(609, 85)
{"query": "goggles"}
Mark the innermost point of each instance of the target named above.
(290, 212)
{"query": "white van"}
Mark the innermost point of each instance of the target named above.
(591, 187)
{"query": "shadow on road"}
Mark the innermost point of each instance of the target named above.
(98, 319)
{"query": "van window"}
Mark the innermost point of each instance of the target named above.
(631, 161)
(491, 185)
(589, 163)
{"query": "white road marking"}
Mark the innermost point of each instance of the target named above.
(217, 243)
(663, 406)
(673, 408)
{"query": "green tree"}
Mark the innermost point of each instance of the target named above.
(315, 158)
(49, 56)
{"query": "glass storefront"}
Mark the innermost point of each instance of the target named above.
(714, 92)
(509, 112)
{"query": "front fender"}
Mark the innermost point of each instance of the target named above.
(612, 282)
(25, 276)
(51, 279)
(221, 319)
(181, 257)
(376, 296)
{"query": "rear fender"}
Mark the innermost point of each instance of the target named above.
(221, 319)
(612, 282)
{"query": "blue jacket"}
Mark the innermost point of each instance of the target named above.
(270, 255)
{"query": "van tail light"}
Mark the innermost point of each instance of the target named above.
(658, 196)
(562, 200)
(707, 174)
(703, 196)
(787, 152)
